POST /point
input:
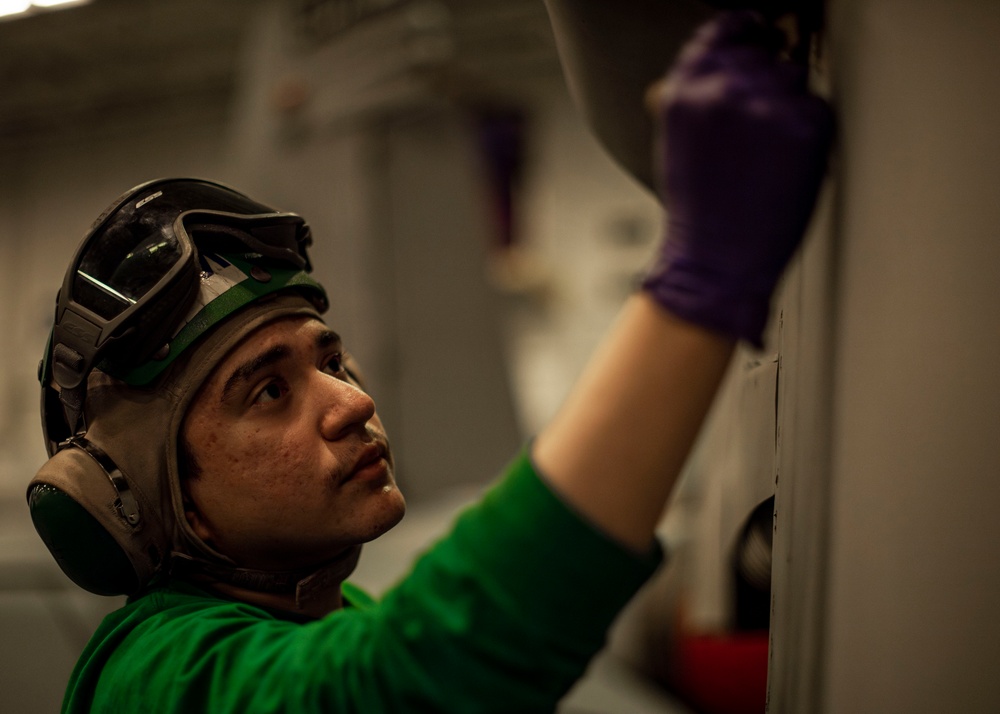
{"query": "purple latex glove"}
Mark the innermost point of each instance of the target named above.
(745, 150)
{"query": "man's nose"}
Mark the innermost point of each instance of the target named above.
(343, 407)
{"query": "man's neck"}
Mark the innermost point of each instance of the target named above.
(315, 595)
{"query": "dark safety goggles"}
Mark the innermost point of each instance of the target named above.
(136, 274)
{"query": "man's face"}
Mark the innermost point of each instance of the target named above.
(294, 465)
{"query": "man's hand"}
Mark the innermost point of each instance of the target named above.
(744, 153)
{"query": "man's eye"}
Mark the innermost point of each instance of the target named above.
(335, 365)
(270, 393)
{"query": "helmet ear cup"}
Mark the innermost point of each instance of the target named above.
(81, 545)
(83, 517)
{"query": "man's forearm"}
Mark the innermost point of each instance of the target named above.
(616, 447)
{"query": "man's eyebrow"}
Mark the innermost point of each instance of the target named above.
(327, 338)
(246, 371)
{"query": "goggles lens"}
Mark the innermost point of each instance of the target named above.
(114, 275)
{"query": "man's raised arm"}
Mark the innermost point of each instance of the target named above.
(744, 152)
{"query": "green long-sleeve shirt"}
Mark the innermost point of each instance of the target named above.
(502, 615)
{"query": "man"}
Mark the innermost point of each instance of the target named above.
(215, 456)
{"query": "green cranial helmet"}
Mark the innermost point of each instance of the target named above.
(167, 281)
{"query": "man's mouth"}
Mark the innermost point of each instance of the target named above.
(371, 464)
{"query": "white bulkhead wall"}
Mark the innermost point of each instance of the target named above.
(887, 583)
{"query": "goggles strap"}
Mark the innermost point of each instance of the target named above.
(70, 368)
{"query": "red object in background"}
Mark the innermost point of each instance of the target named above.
(723, 674)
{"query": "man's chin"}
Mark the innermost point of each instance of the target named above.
(392, 510)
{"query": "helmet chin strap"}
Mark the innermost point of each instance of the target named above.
(311, 586)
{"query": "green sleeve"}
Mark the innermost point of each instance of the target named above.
(501, 615)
